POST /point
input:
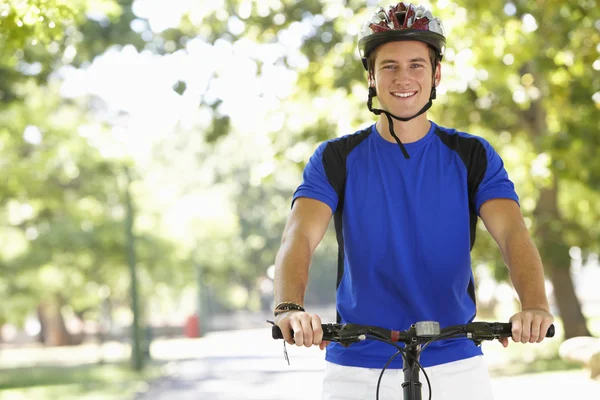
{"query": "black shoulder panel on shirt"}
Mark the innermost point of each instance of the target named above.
(473, 154)
(334, 163)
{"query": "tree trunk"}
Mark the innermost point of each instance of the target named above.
(42, 321)
(552, 247)
(568, 304)
(557, 262)
(56, 333)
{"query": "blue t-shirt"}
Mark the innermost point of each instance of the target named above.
(405, 230)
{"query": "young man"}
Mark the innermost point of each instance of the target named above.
(405, 194)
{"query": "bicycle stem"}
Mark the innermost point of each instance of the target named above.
(411, 386)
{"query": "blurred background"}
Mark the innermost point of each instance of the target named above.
(149, 151)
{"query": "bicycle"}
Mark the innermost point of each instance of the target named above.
(416, 339)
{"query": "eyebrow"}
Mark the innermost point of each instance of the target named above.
(417, 59)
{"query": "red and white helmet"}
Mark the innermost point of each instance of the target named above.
(401, 22)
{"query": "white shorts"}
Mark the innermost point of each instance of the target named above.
(466, 379)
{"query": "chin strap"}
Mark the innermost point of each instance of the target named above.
(376, 111)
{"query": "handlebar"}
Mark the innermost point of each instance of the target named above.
(423, 332)
(418, 333)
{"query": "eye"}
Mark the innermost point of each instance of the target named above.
(389, 66)
(415, 65)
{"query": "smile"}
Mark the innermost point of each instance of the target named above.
(404, 94)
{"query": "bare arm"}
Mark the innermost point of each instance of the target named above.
(303, 232)
(503, 219)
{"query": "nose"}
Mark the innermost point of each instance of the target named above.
(402, 76)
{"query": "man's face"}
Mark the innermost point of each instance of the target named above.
(403, 77)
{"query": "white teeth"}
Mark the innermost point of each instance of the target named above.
(404, 94)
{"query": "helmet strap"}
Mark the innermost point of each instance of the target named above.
(377, 111)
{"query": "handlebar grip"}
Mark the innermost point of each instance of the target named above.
(506, 330)
(276, 332)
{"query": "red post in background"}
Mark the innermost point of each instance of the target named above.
(192, 326)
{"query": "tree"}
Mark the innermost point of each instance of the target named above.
(522, 79)
(64, 210)
(531, 82)
(60, 198)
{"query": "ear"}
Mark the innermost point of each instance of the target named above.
(372, 90)
(371, 80)
(438, 74)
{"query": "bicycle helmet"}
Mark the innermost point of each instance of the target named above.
(401, 22)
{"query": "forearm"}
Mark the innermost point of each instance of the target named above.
(291, 269)
(526, 270)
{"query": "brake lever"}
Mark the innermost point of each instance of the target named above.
(482, 330)
(348, 334)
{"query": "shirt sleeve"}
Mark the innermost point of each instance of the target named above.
(496, 183)
(315, 184)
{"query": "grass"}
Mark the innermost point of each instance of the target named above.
(88, 382)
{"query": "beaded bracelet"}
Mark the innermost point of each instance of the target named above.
(286, 306)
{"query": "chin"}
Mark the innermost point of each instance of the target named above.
(403, 113)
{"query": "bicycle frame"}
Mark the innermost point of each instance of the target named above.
(411, 387)
(413, 338)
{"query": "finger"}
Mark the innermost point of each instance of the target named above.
(296, 325)
(324, 344)
(516, 328)
(288, 332)
(317, 329)
(504, 342)
(526, 319)
(307, 331)
(536, 325)
(544, 328)
(284, 322)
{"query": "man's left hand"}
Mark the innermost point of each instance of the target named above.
(529, 326)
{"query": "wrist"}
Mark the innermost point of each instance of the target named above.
(286, 306)
(284, 315)
(536, 307)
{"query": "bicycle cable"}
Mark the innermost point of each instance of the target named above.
(448, 335)
(404, 354)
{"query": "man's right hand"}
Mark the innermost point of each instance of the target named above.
(306, 328)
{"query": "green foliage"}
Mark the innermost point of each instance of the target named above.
(27, 23)
(40, 36)
(64, 210)
(537, 99)
(61, 199)
(523, 76)
(523, 81)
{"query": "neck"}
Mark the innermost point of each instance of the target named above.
(407, 132)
